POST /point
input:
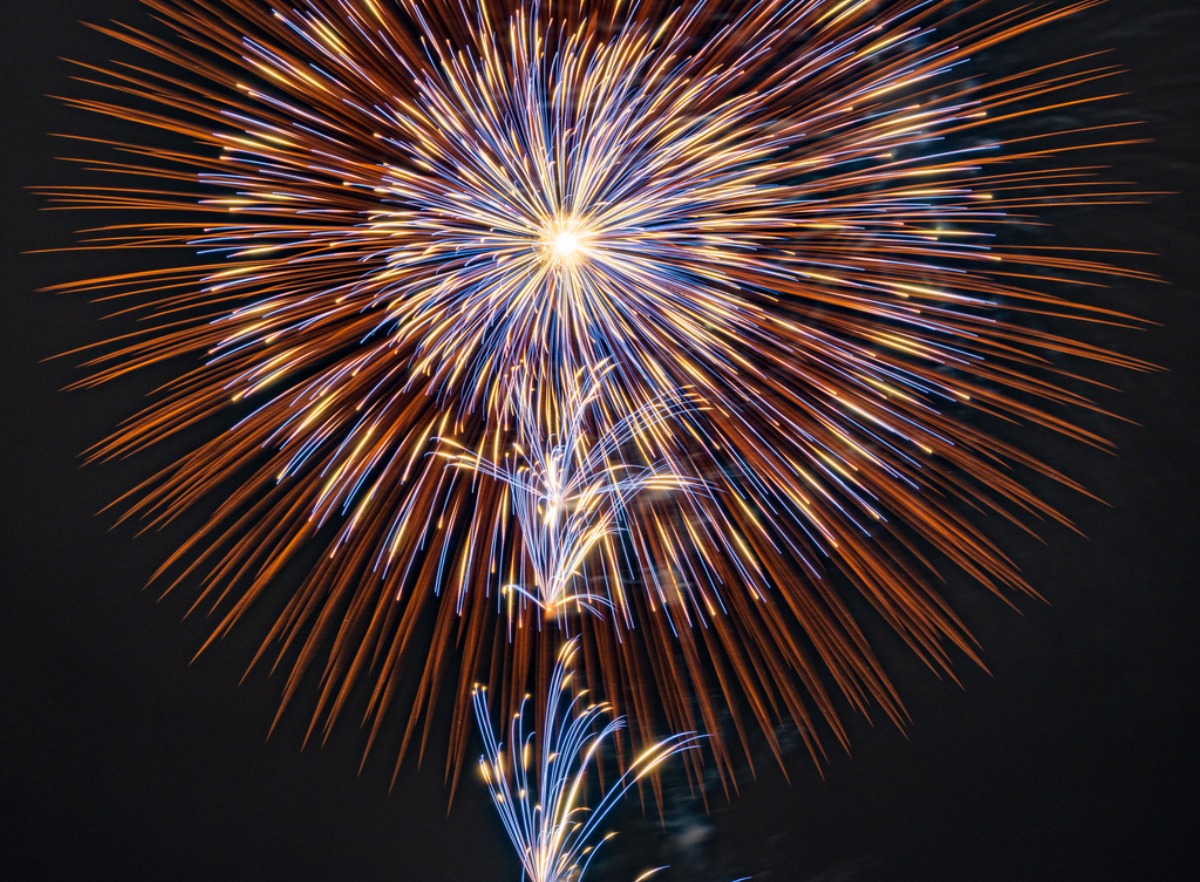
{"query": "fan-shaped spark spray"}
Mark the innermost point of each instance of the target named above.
(541, 782)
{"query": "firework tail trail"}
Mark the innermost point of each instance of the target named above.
(790, 209)
(570, 493)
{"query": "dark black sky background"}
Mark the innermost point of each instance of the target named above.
(1074, 760)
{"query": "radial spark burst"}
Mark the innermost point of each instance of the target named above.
(792, 210)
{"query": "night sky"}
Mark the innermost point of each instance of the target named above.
(1072, 760)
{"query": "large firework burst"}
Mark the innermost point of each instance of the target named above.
(410, 214)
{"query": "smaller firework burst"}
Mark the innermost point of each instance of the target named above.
(570, 489)
(539, 783)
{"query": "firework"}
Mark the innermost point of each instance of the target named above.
(790, 213)
(540, 784)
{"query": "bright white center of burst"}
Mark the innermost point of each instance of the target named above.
(566, 244)
(564, 241)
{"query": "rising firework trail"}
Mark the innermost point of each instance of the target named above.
(795, 214)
